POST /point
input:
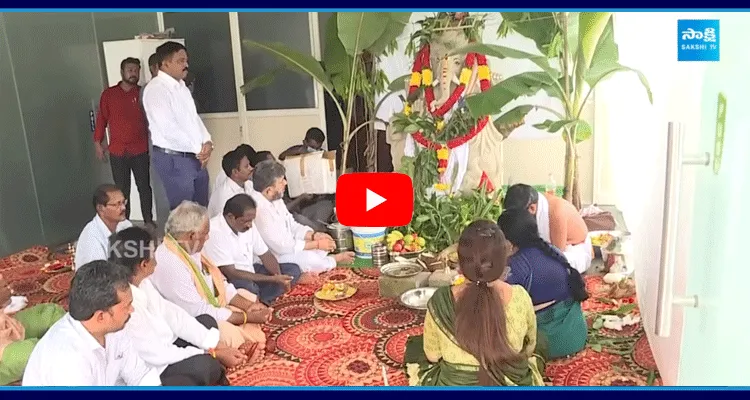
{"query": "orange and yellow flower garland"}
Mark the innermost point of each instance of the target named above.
(422, 76)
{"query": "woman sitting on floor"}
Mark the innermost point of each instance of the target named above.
(483, 319)
(556, 288)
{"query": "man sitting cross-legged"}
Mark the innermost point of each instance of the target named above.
(235, 245)
(185, 350)
(194, 283)
(109, 204)
(20, 332)
(290, 241)
(87, 346)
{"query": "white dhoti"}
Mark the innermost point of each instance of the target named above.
(580, 255)
(314, 261)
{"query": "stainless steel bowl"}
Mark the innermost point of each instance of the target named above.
(401, 269)
(417, 298)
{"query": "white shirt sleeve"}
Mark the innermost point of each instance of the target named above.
(134, 371)
(259, 246)
(231, 291)
(218, 248)
(298, 229)
(188, 328)
(275, 236)
(204, 132)
(151, 349)
(176, 285)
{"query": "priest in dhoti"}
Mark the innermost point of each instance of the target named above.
(559, 223)
(191, 281)
(290, 241)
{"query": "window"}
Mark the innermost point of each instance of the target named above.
(290, 89)
(209, 45)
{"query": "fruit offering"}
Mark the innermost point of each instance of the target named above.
(409, 243)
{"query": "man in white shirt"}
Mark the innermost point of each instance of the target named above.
(182, 348)
(290, 241)
(222, 176)
(93, 243)
(240, 253)
(236, 166)
(195, 284)
(87, 347)
(181, 142)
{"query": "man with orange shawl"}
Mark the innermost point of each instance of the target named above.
(191, 281)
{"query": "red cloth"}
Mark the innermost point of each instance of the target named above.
(121, 111)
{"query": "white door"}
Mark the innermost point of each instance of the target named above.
(715, 219)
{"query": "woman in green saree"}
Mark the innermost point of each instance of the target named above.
(556, 288)
(483, 319)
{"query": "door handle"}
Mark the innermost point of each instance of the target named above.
(666, 298)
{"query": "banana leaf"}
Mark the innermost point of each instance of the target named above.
(295, 60)
(537, 26)
(512, 119)
(605, 61)
(358, 31)
(495, 98)
(338, 64)
(395, 22)
(262, 80)
(508, 52)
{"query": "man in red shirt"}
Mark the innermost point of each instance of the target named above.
(120, 110)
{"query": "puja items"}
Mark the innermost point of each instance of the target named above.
(418, 298)
(342, 236)
(335, 291)
(379, 255)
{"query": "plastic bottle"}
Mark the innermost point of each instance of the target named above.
(551, 187)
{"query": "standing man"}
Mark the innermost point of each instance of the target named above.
(153, 65)
(120, 110)
(181, 143)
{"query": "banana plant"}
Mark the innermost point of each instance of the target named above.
(576, 51)
(341, 73)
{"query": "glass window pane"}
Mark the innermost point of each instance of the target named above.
(209, 46)
(289, 90)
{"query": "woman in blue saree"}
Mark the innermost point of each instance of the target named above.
(556, 289)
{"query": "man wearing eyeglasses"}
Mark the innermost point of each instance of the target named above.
(93, 244)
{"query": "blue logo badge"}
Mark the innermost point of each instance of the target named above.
(698, 40)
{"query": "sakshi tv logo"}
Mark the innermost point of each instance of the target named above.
(698, 40)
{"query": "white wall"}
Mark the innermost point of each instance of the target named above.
(631, 137)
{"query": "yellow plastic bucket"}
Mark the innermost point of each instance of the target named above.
(364, 238)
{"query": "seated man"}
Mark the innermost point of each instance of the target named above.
(193, 282)
(237, 167)
(235, 245)
(312, 142)
(245, 149)
(87, 346)
(20, 332)
(289, 241)
(185, 350)
(93, 243)
(558, 220)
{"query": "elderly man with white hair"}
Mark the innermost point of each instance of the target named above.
(290, 241)
(191, 281)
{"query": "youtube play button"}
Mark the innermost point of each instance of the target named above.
(374, 199)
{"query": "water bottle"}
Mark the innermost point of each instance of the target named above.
(551, 187)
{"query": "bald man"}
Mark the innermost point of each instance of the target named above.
(559, 223)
